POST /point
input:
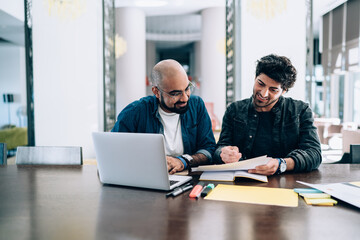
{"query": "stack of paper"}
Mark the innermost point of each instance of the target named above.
(315, 197)
(348, 192)
(229, 171)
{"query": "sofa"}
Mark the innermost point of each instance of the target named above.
(13, 136)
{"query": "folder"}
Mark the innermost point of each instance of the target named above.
(255, 195)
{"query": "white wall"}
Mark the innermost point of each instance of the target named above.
(283, 34)
(12, 80)
(67, 75)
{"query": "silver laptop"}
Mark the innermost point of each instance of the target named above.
(134, 159)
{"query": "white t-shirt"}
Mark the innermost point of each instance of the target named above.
(172, 133)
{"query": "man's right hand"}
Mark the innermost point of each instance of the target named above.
(230, 154)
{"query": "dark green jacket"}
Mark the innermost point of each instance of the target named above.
(294, 134)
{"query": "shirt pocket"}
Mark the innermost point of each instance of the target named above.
(191, 131)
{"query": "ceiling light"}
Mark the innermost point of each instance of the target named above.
(151, 3)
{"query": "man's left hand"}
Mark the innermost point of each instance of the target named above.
(267, 169)
(174, 165)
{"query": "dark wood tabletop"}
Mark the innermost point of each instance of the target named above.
(69, 202)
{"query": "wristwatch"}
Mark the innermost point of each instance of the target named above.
(189, 159)
(282, 166)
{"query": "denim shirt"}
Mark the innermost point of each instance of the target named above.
(294, 134)
(142, 116)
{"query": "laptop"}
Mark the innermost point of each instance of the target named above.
(134, 159)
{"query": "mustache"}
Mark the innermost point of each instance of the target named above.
(178, 102)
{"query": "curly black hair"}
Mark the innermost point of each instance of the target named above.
(278, 68)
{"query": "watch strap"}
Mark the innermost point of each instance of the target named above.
(184, 161)
(281, 161)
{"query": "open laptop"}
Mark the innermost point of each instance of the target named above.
(134, 159)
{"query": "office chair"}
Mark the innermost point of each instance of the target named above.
(49, 155)
(3, 154)
(355, 153)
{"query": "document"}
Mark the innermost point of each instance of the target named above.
(347, 192)
(241, 165)
(256, 195)
(230, 171)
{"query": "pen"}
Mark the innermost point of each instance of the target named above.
(207, 189)
(179, 190)
(195, 193)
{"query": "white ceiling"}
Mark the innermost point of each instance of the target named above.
(170, 7)
(11, 30)
(168, 16)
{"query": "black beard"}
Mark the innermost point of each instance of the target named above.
(258, 106)
(173, 109)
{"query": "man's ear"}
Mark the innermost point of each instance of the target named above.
(156, 91)
(284, 91)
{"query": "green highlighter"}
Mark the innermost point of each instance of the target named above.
(207, 189)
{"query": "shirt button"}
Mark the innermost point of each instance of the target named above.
(255, 115)
(250, 136)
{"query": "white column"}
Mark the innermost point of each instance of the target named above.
(213, 62)
(130, 65)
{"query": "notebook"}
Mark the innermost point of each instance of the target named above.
(134, 159)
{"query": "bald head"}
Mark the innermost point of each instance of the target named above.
(167, 70)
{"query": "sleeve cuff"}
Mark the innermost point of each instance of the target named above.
(183, 161)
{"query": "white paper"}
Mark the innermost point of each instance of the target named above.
(241, 165)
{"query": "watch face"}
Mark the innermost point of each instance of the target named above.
(282, 167)
(188, 157)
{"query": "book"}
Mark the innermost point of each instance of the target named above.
(230, 171)
(231, 176)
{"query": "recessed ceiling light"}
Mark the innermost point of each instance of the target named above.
(151, 3)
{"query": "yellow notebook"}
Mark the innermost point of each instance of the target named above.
(255, 195)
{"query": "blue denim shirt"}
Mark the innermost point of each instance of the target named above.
(142, 116)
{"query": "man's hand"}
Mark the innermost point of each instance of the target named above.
(174, 165)
(267, 169)
(230, 154)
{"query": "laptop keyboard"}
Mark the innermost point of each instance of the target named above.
(172, 182)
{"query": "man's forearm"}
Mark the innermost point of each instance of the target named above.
(199, 159)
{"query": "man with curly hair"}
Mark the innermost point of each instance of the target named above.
(269, 124)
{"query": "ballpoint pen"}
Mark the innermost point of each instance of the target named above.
(179, 190)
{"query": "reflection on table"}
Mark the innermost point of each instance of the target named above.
(63, 202)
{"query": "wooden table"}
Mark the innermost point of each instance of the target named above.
(63, 202)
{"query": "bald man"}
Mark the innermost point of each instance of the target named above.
(173, 112)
